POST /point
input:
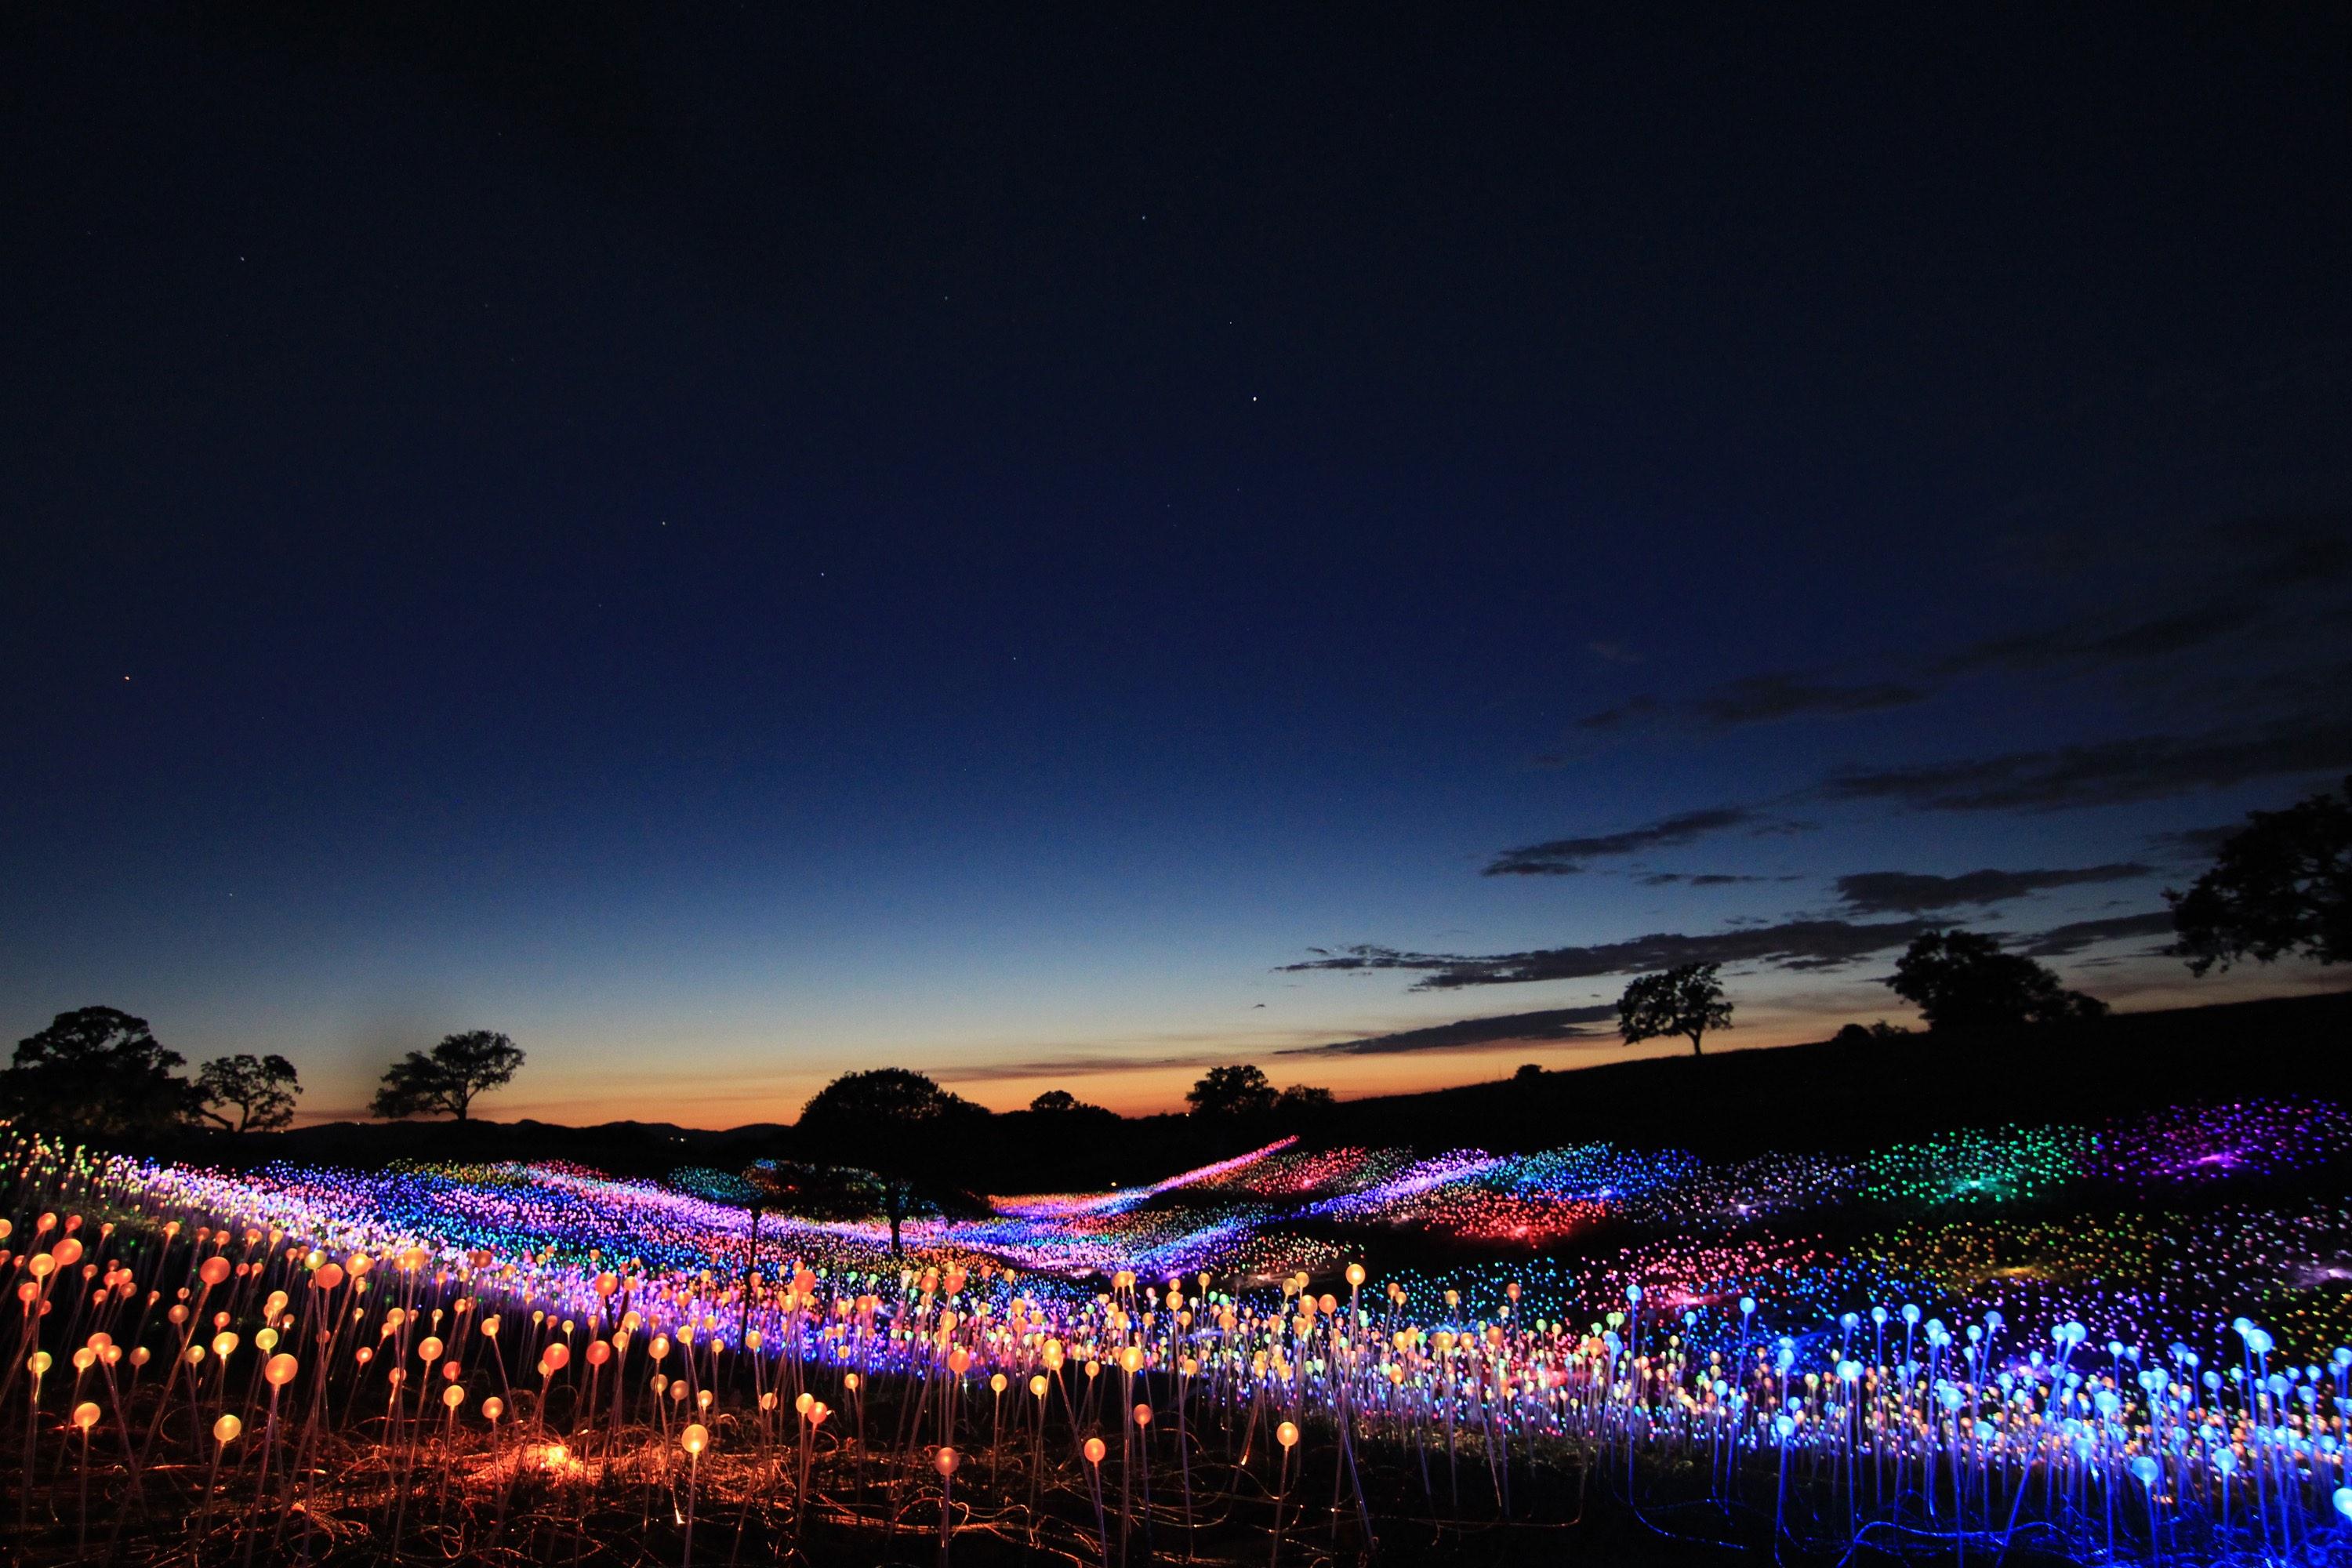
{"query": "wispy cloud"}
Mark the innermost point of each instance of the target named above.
(2101, 643)
(2105, 772)
(2078, 647)
(1568, 856)
(1550, 1023)
(1093, 1066)
(2279, 576)
(2195, 843)
(1762, 700)
(1803, 945)
(2073, 936)
(1916, 892)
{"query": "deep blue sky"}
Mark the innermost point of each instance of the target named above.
(734, 547)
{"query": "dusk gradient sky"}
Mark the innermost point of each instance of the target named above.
(1058, 549)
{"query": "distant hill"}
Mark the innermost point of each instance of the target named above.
(1827, 1095)
(1834, 1095)
(622, 1148)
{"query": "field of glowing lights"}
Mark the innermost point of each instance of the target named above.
(2044, 1342)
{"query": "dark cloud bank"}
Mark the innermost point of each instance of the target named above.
(1799, 945)
(1570, 856)
(1804, 944)
(1550, 1023)
(1915, 892)
(2105, 772)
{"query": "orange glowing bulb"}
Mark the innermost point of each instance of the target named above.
(226, 1430)
(1095, 1450)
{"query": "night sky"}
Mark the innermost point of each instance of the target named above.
(1057, 549)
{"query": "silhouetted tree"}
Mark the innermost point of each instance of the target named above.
(99, 1072)
(1852, 1034)
(1301, 1105)
(260, 1089)
(1528, 1072)
(445, 1082)
(1062, 1103)
(920, 1141)
(2282, 885)
(1961, 979)
(1686, 1001)
(1237, 1090)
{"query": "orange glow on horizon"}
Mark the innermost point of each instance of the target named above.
(580, 1095)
